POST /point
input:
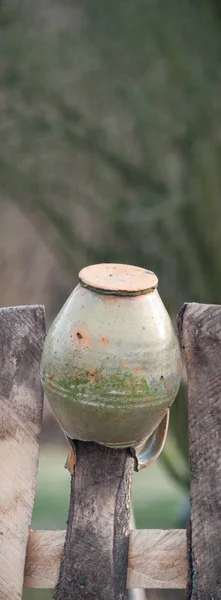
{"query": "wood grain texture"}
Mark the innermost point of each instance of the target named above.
(157, 559)
(135, 593)
(94, 563)
(200, 334)
(22, 332)
(44, 554)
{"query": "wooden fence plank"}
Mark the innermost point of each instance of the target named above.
(200, 333)
(157, 559)
(22, 332)
(94, 562)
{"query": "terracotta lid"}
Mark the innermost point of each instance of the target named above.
(118, 279)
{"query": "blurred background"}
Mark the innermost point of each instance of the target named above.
(110, 151)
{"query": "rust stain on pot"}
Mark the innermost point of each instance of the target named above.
(169, 385)
(108, 297)
(123, 363)
(79, 336)
(104, 339)
(62, 422)
(93, 375)
(137, 370)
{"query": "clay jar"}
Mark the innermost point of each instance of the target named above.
(111, 365)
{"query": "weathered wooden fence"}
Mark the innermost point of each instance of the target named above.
(157, 558)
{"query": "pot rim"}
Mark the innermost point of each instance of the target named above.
(118, 279)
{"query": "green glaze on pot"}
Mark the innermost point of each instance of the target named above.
(111, 364)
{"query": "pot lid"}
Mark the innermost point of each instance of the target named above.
(118, 279)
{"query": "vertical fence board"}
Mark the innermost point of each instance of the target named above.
(94, 563)
(200, 333)
(22, 332)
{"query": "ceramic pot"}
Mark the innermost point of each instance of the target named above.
(111, 365)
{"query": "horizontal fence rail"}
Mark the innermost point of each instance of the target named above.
(157, 559)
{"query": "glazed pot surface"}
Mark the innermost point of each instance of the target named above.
(111, 364)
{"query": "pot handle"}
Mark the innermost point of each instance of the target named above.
(153, 446)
